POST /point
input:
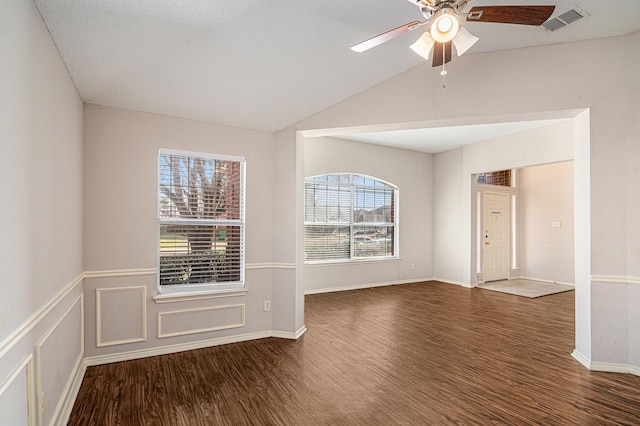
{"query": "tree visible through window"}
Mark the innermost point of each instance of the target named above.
(200, 219)
(349, 216)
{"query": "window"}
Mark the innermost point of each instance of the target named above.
(200, 220)
(501, 178)
(349, 217)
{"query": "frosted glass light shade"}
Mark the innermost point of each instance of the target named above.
(423, 45)
(464, 40)
(444, 28)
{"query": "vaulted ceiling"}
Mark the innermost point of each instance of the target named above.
(265, 64)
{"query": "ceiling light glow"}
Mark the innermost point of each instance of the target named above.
(444, 28)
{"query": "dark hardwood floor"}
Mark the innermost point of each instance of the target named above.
(419, 354)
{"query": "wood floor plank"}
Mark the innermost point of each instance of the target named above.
(423, 353)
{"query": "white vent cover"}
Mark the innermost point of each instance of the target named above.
(564, 19)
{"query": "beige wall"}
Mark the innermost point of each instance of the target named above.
(547, 81)
(57, 193)
(41, 209)
(412, 173)
(120, 229)
(546, 199)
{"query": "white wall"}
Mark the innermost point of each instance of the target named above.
(120, 229)
(412, 173)
(544, 80)
(447, 216)
(546, 196)
(455, 235)
(41, 210)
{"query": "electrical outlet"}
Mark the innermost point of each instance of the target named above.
(267, 305)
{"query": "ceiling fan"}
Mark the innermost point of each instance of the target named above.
(445, 29)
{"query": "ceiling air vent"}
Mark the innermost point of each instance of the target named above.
(568, 17)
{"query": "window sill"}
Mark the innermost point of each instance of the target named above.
(351, 261)
(199, 295)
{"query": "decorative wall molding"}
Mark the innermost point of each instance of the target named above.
(27, 365)
(154, 271)
(143, 315)
(191, 296)
(250, 266)
(17, 334)
(616, 279)
(241, 323)
(120, 272)
(38, 351)
(369, 285)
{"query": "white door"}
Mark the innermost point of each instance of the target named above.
(495, 223)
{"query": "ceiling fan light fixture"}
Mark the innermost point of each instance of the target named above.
(423, 45)
(444, 28)
(464, 40)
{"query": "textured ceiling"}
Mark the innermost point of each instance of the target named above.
(264, 64)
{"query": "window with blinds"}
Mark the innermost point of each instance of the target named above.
(200, 220)
(349, 216)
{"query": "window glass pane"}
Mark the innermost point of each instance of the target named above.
(199, 188)
(372, 241)
(501, 178)
(372, 205)
(358, 180)
(327, 202)
(201, 215)
(348, 216)
(192, 254)
(326, 242)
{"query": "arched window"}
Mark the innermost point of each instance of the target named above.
(349, 216)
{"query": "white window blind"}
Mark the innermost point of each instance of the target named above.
(200, 219)
(349, 216)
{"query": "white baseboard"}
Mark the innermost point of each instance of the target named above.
(287, 335)
(181, 347)
(72, 393)
(367, 285)
(606, 367)
(581, 359)
(447, 281)
(542, 280)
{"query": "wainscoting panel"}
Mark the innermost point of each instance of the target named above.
(17, 405)
(61, 350)
(121, 315)
(200, 320)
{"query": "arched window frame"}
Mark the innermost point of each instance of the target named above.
(350, 217)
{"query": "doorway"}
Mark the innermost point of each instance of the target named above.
(495, 236)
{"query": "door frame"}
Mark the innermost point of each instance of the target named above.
(511, 192)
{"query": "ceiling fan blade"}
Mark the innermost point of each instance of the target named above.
(437, 53)
(384, 37)
(523, 15)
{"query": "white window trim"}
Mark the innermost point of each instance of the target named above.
(367, 259)
(171, 291)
